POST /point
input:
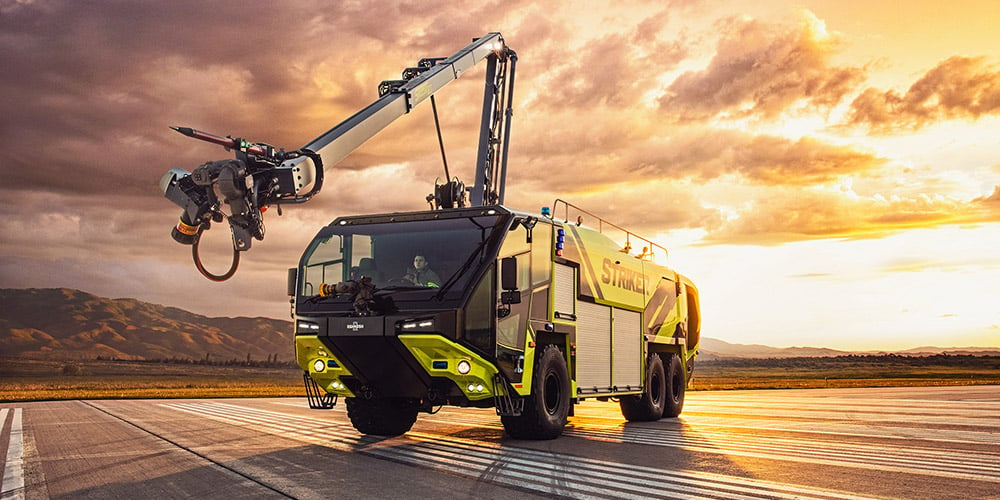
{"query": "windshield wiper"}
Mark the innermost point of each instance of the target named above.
(461, 271)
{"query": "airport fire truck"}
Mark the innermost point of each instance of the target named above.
(469, 303)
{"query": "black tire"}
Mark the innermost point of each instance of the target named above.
(648, 406)
(676, 382)
(547, 408)
(382, 417)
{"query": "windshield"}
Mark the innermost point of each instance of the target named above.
(414, 254)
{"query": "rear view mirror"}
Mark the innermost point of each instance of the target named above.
(293, 275)
(508, 281)
(508, 273)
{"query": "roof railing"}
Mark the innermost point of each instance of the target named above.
(648, 251)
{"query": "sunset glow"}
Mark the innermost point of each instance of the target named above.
(827, 172)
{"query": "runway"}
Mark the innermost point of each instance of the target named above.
(932, 442)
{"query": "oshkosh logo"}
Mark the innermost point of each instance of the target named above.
(355, 326)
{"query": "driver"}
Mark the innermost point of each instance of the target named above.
(421, 274)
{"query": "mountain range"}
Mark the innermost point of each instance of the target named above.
(713, 348)
(60, 323)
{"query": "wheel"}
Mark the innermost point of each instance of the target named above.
(649, 405)
(547, 408)
(382, 417)
(675, 387)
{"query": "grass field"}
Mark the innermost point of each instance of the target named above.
(846, 371)
(33, 380)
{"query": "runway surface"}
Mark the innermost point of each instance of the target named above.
(932, 442)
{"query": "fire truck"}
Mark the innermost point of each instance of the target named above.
(469, 303)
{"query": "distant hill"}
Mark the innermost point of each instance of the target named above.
(714, 349)
(70, 324)
(717, 348)
(65, 324)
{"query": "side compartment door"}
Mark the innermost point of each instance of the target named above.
(593, 348)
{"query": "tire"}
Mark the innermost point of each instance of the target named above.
(382, 417)
(547, 408)
(648, 406)
(676, 382)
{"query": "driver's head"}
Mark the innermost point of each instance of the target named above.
(419, 262)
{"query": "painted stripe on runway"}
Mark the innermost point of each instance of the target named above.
(843, 405)
(908, 459)
(852, 428)
(956, 419)
(13, 469)
(962, 464)
(915, 461)
(543, 472)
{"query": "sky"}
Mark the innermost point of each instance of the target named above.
(827, 172)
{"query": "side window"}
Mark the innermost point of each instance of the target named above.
(516, 245)
(479, 315)
(524, 271)
(325, 265)
(361, 247)
(541, 253)
(515, 242)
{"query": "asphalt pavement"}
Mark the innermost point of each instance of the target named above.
(929, 442)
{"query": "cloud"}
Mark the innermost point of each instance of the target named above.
(760, 159)
(613, 149)
(645, 207)
(762, 69)
(992, 201)
(787, 214)
(615, 70)
(957, 88)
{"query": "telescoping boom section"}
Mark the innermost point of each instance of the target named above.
(489, 307)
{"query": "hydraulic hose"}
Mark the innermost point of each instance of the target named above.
(201, 268)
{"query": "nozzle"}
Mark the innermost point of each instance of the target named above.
(188, 131)
(185, 232)
(227, 142)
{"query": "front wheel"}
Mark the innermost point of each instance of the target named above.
(547, 408)
(382, 416)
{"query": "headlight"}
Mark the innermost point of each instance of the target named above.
(319, 365)
(303, 326)
(422, 325)
(464, 367)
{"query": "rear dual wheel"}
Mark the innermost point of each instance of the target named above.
(676, 382)
(663, 395)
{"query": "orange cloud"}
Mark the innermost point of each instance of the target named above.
(957, 88)
(763, 69)
(801, 214)
(761, 159)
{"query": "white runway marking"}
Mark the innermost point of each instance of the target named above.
(819, 442)
(547, 473)
(13, 469)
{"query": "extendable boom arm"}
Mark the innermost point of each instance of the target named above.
(262, 175)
